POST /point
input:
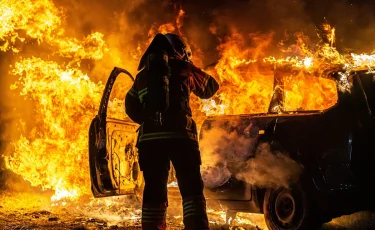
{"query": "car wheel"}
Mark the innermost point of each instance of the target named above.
(287, 209)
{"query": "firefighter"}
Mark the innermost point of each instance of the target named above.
(159, 102)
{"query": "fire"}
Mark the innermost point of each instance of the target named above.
(246, 75)
(219, 214)
(303, 92)
(54, 153)
(18, 17)
(52, 150)
(330, 33)
(172, 27)
(363, 60)
(244, 88)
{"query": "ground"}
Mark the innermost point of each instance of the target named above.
(36, 211)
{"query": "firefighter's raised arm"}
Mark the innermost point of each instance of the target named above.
(205, 86)
(133, 105)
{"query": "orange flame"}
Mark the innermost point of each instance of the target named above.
(53, 153)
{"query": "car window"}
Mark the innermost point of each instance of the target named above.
(307, 92)
(116, 104)
(368, 84)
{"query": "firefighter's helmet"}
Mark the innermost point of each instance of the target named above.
(174, 44)
(181, 47)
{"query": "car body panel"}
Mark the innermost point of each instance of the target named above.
(334, 146)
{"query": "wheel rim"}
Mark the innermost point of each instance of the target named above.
(285, 207)
(288, 208)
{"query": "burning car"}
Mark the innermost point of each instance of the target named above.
(332, 148)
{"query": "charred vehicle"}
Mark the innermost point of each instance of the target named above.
(333, 146)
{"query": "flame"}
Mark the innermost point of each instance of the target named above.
(363, 60)
(19, 16)
(246, 74)
(244, 89)
(303, 92)
(52, 150)
(171, 27)
(330, 33)
(251, 219)
(179, 20)
(173, 184)
(54, 154)
(217, 216)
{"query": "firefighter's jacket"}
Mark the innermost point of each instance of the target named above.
(177, 120)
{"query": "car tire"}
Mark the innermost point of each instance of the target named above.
(288, 209)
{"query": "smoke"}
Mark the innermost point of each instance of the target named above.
(270, 169)
(231, 150)
(220, 149)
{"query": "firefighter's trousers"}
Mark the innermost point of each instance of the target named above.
(154, 160)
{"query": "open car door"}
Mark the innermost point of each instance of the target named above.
(114, 168)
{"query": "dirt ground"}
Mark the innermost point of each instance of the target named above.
(35, 211)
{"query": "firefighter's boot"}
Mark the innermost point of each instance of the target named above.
(154, 216)
(195, 215)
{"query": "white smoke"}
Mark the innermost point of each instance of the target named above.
(228, 151)
(270, 168)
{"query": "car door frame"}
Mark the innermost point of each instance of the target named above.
(103, 180)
